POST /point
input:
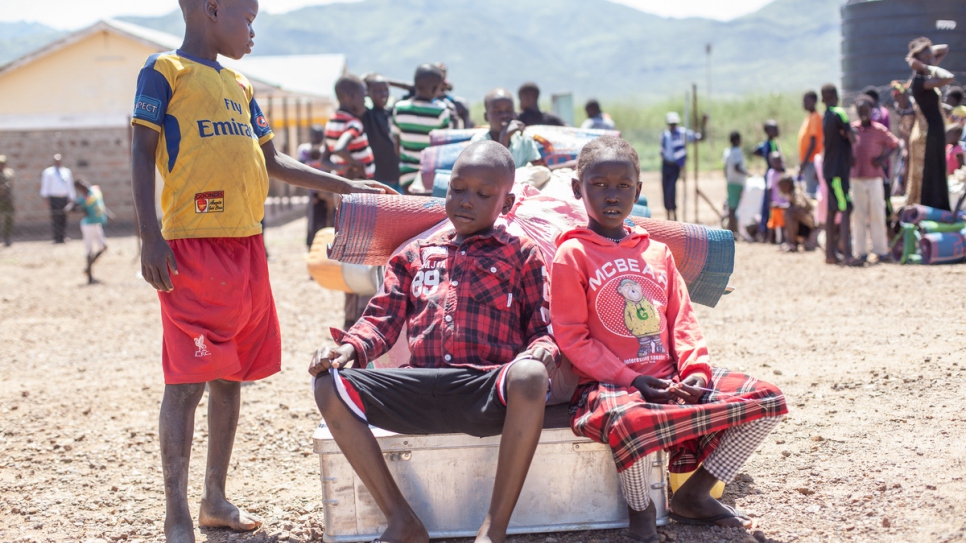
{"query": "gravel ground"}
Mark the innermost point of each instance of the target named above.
(872, 361)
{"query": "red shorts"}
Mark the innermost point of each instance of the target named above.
(219, 321)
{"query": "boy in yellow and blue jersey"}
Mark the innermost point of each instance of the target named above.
(199, 124)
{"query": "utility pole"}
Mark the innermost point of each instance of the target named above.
(694, 145)
(707, 52)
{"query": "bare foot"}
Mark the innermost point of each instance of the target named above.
(705, 508)
(405, 529)
(226, 515)
(642, 525)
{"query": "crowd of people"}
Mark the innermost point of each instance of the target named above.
(848, 170)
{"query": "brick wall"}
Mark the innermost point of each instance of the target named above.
(101, 156)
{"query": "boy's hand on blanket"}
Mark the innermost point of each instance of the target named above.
(690, 390)
(653, 390)
(370, 187)
(539, 354)
(343, 356)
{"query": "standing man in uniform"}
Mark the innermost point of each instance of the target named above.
(674, 155)
(57, 186)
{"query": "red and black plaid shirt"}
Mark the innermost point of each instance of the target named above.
(473, 305)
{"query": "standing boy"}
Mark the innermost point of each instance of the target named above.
(770, 144)
(873, 146)
(507, 130)
(735, 174)
(674, 155)
(470, 297)
(765, 150)
(199, 124)
(413, 119)
(347, 146)
(836, 166)
(810, 143)
(377, 121)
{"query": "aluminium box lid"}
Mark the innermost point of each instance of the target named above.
(323, 443)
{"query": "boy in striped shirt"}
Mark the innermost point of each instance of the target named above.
(413, 119)
(348, 152)
(345, 138)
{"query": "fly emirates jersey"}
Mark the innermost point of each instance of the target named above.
(209, 155)
(620, 310)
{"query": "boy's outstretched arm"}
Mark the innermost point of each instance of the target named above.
(156, 255)
(285, 168)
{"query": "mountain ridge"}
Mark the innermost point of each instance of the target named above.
(590, 47)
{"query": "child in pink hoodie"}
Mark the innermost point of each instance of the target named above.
(621, 313)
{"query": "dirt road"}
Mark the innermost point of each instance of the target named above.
(872, 361)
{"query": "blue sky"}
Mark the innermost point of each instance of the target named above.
(73, 14)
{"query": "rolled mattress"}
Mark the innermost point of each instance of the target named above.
(370, 228)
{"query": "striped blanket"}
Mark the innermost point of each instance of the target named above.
(370, 228)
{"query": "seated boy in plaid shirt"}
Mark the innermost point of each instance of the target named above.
(471, 298)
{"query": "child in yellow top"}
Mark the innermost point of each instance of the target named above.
(199, 124)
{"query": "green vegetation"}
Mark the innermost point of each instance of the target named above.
(642, 126)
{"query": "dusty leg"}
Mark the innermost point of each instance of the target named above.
(216, 511)
(737, 444)
(87, 269)
(175, 428)
(694, 500)
(526, 401)
(364, 455)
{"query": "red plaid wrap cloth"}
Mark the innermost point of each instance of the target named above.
(633, 428)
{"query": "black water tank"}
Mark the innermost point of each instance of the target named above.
(876, 36)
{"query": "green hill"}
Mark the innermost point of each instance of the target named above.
(590, 47)
(20, 38)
